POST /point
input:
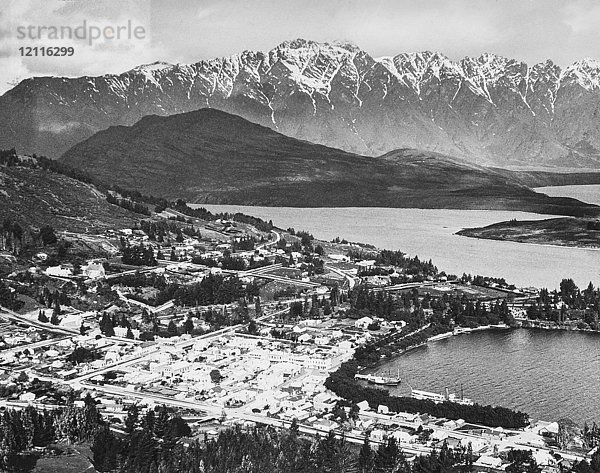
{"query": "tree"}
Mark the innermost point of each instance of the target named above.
(54, 320)
(568, 291)
(521, 461)
(252, 327)
(47, 235)
(106, 325)
(129, 334)
(161, 422)
(172, 328)
(177, 427)
(365, 457)
(188, 326)
(81, 355)
(132, 418)
(595, 461)
(387, 455)
(105, 447)
(215, 376)
(142, 451)
(8, 297)
(42, 317)
(257, 306)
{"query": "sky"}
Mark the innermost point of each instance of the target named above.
(186, 31)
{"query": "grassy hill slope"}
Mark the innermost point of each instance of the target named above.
(209, 156)
(37, 197)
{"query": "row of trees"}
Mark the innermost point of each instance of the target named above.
(181, 206)
(138, 255)
(127, 204)
(342, 382)
(161, 230)
(265, 450)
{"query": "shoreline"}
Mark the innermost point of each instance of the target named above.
(548, 245)
(436, 338)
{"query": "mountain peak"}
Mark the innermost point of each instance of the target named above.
(297, 43)
(300, 43)
(153, 66)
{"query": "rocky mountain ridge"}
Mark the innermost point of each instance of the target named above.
(488, 109)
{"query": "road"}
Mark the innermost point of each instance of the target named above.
(409, 285)
(271, 243)
(351, 280)
(182, 344)
(33, 346)
(240, 414)
(11, 315)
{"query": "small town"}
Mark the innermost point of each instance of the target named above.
(227, 320)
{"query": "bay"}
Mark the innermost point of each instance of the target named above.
(548, 374)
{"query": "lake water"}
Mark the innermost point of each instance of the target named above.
(547, 374)
(589, 193)
(430, 234)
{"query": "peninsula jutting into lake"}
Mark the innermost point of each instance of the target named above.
(579, 233)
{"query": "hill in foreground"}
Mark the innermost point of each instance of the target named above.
(209, 156)
(36, 197)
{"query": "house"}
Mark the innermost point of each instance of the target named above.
(363, 323)
(341, 258)
(549, 430)
(71, 320)
(27, 397)
(364, 405)
(326, 425)
(365, 265)
(59, 271)
(487, 461)
(94, 270)
(403, 437)
(324, 402)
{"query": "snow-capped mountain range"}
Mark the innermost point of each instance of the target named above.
(488, 109)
